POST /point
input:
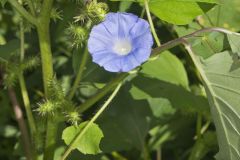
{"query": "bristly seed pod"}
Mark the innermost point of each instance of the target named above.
(73, 117)
(47, 108)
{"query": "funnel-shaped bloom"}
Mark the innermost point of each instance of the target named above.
(121, 42)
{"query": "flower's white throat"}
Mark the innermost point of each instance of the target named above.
(122, 47)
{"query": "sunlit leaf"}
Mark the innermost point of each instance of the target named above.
(89, 143)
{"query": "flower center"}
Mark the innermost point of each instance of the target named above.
(122, 47)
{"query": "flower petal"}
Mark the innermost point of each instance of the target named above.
(129, 62)
(140, 28)
(142, 54)
(119, 24)
(103, 57)
(143, 41)
(113, 66)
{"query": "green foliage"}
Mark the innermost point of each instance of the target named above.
(167, 67)
(170, 83)
(204, 145)
(224, 15)
(166, 9)
(221, 74)
(158, 106)
(89, 143)
(119, 136)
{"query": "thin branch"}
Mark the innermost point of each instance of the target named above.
(79, 74)
(181, 40)
(23, 12)
(82, 132)
(151, 23)
(23, 87)
(21, 123)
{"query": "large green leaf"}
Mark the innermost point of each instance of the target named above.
(89, 143)
(176, 11)
(221, 74)
(166, 10)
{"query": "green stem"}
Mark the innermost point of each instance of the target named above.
(47, 70)
(79, 74)
(24, 91)
(155, 52)
(151, 23)
(46, 54)
(87, 104)
(23, 12)
(82, 132)
(27, 105)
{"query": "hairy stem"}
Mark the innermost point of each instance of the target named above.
(151, 23)
(79, 74)
(155, 52)
(47, 71)
(21, 123)
(82, 132)
(23, 12)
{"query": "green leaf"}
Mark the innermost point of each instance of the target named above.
(234, 41)
(224, 15)
(186, 12)
(179, 97)
(89, 143)
(166, 9)
(209, 44)
(221, 74)
(164, 84)
(167, 68)
(205, 45)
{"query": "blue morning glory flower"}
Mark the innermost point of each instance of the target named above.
(121, 42)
